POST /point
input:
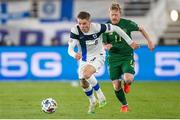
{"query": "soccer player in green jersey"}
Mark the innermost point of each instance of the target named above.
(120, 54)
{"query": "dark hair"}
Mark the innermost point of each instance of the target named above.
(115, 6)
(84, 15)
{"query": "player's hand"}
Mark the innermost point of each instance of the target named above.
(107, 46)
(150, 45)
(134, 45)
(78, 56)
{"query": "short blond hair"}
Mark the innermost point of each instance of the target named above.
(115, 6)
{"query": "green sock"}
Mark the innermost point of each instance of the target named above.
(121, 96)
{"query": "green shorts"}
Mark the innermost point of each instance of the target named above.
(116, 70)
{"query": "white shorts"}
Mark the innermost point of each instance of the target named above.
(96, 61)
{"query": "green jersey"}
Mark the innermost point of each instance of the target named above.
(120, 51)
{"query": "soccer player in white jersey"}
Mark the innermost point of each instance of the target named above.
(87, 37)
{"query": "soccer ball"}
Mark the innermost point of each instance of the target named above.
(49, 105)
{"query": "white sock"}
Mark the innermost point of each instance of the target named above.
(93, 82)
(89, 93)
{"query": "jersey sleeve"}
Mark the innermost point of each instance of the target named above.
(132, 26)
(73, 42)
(71, 46)
(121, 33)
(106, 28)
(74, 34)
(109, 28)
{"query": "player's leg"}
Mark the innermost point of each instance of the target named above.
(128, 79)
(115, 73)
(87, 88)
(97, 63)
(128, 70)
(89, 93)
(101, 98)
(88, 71)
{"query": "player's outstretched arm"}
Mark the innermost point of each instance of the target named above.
(72, 44)
(145, 34)
(121, 33)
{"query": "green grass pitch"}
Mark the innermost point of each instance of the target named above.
(146, 100)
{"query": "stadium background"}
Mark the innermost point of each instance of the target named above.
(46, 23)
(34, 35)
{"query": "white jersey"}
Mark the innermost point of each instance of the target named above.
(90, 43)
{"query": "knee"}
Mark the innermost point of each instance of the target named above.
(84, 83)
(88, 71)
(117, 86)
(128, 79)
(86, 75)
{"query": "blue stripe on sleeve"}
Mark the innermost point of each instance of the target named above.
(103, 28)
